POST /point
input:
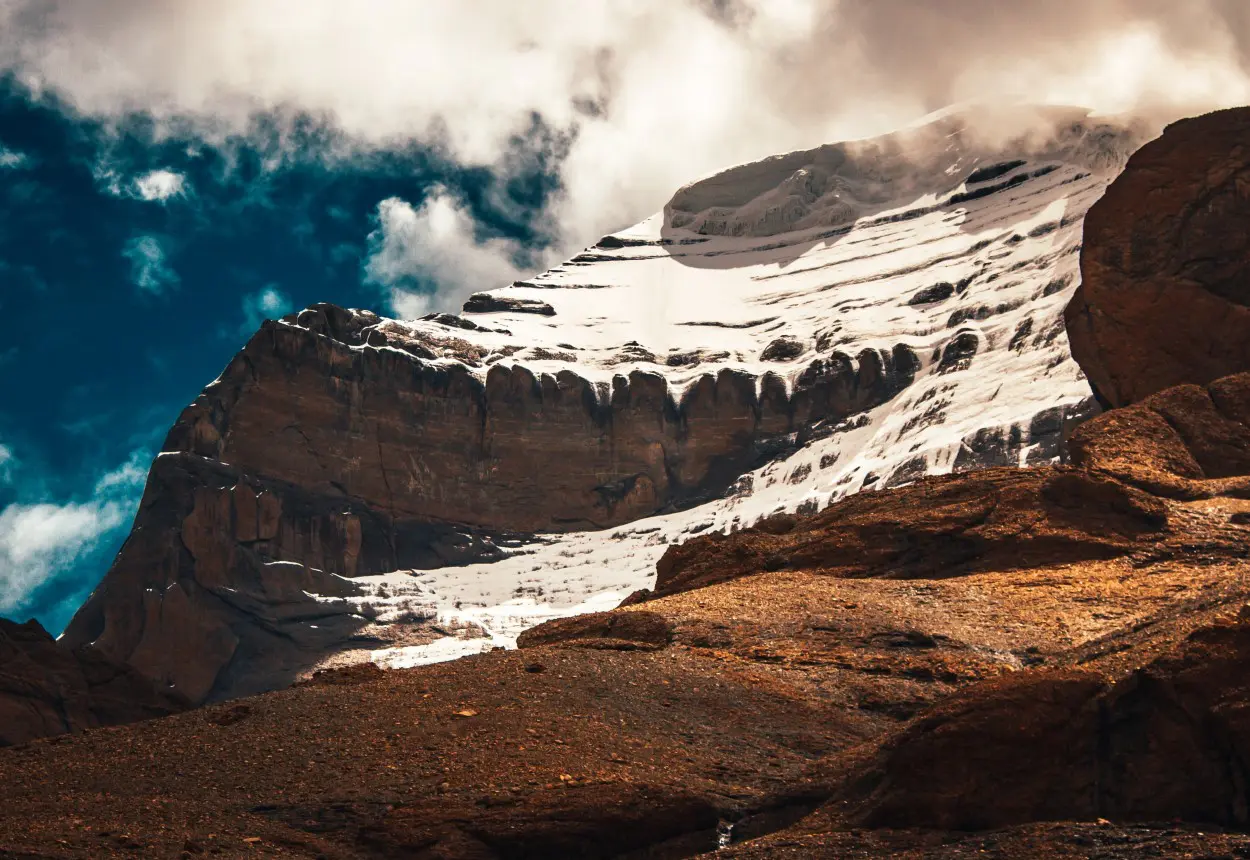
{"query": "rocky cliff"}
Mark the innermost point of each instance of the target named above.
(1002, 663)
(1165, 290)
(312, 460)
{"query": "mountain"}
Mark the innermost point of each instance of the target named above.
(782, 335)
(992, 661)
(1016, 663)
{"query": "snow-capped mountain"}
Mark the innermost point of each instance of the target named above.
(931, 242)
(782, 334)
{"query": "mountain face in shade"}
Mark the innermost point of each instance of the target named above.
(47, 689)
(782, 335)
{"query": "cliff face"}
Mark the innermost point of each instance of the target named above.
(1165, 292)
(315, 401)
(316, 458)
(933, 660)
(898, 315)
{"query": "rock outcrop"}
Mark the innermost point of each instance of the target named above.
(49, 689)
(1165, 292)
(1167, 742)
(319, 456)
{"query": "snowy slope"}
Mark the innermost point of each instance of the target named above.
(964, 249)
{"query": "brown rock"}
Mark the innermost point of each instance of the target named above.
(1016, 749)
(581, 822)
(637, 629)
(48, 689)
(1165, 293)
(1165, 743)
(1178, 443)
(348, 460)
(939, 526)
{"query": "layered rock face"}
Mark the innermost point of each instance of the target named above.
(314, 402)
(1165, 291)
(314, 459)
(49, 689)
(1005, 649)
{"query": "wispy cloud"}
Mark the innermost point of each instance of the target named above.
(269, 303)
(431, 255)
(40, 541)
(150, 270)
(126, 478)
(11, 160)
(7, 462)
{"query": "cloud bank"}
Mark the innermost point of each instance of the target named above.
(648, 94)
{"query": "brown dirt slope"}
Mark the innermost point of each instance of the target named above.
(989, 651)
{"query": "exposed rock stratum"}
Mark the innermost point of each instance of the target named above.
(1165, 290)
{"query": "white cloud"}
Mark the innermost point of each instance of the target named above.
(269, 303)
(160, 185)
(7, 463)
(647, 94)
(416, 253)
(149, 265)
(39, 541)
(126, 478)
(11, 160)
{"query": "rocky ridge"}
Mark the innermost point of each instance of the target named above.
(1165, 289)
(1079, 634)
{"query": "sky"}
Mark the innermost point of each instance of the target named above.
(173, 172)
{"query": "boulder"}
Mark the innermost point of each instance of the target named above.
(1165, 743)
(1165, 292)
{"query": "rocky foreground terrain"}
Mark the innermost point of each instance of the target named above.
(936, 669)
(1000, 662)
